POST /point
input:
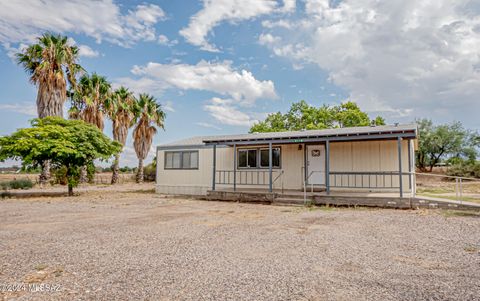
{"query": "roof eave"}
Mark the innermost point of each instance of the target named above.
(336, 137)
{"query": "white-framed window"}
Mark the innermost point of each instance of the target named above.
(258, 158)
(181, 160)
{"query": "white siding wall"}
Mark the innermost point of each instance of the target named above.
(344, 156)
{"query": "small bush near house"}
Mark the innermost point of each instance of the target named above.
(60, 175)
(91, 173)
(470, 170)
(17, 184)
(4, 185)
(149, 173)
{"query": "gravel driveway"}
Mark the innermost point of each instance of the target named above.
(140, 246)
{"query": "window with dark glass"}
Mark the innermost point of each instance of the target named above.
(254, 158)
(247, 158)
(275, 157)
(181, 160)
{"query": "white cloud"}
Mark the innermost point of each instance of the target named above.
(396, 56)
(128, 157)
(217, 77)
(215, 12)
(225, 112)
(26, 108)
(22, 21)
(164, 40)
(267, 39)
(86, 51)
(279, 23)
(288, 6)
(208, 125)
(168, 106)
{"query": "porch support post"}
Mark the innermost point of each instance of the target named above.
(399, 145)
(412, 167)
(234, 167)
(409, 165)
(327, 166)
(270, 157)
(214, 166)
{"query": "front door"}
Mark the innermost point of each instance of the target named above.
(316, 164)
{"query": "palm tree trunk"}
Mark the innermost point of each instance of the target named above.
(50, 103)
(45, 173)
(115, 169)
(140, 171)
(83, 175)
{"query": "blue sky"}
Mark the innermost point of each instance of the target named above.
(219, 65)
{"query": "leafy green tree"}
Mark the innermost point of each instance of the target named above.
(69, 143)
(437, 142)
(302, 116)
(348, 114)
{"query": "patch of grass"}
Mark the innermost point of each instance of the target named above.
(326, 208)
(433, 190)
(58, 272)
(448, 197)
(460, 213)
(472, 249)
(149, 191)
(41, 267)
(16, 184)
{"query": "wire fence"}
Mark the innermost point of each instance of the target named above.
(99, 178)
(451, 187)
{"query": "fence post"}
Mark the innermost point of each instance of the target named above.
(461, 190)
(456, 188)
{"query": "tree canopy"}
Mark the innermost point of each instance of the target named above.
(69, 143)
(437, 142)
(304, 116)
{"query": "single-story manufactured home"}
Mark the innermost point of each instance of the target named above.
(372, 158)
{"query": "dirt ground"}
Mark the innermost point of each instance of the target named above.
(134, 245)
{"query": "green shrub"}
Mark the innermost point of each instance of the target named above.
(4, 185)
(471, 170)
(60, 175)
(91, 173)
(149, 173)
(17, 184)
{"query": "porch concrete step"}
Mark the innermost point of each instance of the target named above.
(292, 196)
(290, 201)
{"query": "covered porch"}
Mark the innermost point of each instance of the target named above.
(341, 162)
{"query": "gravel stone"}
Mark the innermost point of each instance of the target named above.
(142, 246)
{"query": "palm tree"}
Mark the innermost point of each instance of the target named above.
(90, 100)
(121, 112)
(50, 63)
(149, 114)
